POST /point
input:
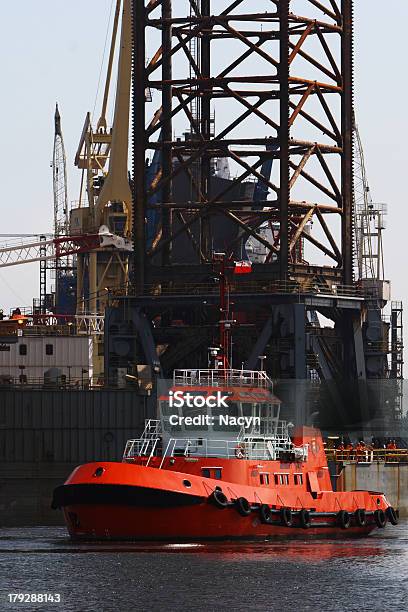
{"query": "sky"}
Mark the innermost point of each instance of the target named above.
(52, 51)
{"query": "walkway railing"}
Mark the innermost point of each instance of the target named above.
(376, 455)
(258, 448)
(328, 289)
(213, 378)
(279, 287)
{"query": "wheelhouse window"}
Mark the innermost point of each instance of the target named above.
(165, 409)
(247, 409)
(281, 479)
(165, 412)
(298, 479)
(215, 472)
(264, 478)
(198, 414)
(231, 411)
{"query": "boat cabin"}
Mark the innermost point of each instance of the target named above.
(219, 414)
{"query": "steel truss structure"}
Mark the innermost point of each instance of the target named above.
(246, 135)
(59, 174)
(48, 249)
(279, 83)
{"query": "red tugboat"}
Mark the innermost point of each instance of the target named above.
(218, 463)
(200, 473)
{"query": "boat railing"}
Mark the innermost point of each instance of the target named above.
(222, 377)
(147, 444)
(253, 448)
(277, 429)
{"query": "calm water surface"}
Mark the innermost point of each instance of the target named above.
(364, 575)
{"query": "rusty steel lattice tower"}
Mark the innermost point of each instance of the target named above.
(242, 145)
(279, 84)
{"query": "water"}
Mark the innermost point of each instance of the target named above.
(364, 575)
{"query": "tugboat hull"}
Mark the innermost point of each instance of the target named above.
(199, 523)
(120, 501)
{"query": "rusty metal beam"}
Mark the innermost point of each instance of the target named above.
(139, 120)
(167, 129)
(185, 31)
(284, 136)
(347, 137)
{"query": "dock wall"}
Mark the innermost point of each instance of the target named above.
(45, 434)
(388, 478)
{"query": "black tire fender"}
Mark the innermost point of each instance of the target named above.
(392, 515)
(265, 514)
(286, 517)
(360, 517)
(218, 498)
(343, 519)
(304, 518)
(243, 506)
(380, 518)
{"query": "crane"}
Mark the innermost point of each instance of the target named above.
(59, 171)
(61, 265)
(48, 249)
(102, 156)
(369, 219)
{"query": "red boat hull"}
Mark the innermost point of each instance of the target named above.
(135, 502)
(197, 523)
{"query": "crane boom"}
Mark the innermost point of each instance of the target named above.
(63, 246)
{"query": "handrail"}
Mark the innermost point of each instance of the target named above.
(330, 288)
(214, 377)
(255, 447)
(289, 287)
(375, 455)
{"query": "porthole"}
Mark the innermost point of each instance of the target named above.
(186, 483)
(98, 472)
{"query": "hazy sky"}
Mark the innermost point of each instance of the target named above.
(52, 50)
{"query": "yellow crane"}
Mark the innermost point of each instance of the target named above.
(105, 196)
